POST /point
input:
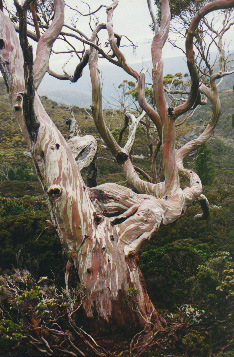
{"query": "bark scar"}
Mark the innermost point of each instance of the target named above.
(54, 191)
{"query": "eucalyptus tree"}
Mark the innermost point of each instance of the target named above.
(104, 227)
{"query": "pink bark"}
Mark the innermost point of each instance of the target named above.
(140, 77)
(103, 228)
(46, 41)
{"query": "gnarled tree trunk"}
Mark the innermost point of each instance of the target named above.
(102, 228)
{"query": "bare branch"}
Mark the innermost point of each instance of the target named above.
(132, 130)
(79, 68)
(205, 215)
(216, 5)
(95, 11)
(155, 23)
(77, 31)
(46, 42)
(34, 15)
(165, 113)
(212, 95)
(140, 77)
(97, 103)
(143, 173)
(90, 43)
(141, 186)
(25, 99)
(122, 130)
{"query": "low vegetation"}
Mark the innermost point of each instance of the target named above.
(188, 266)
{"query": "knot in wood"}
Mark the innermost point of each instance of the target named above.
(97, 218)
(54, 146)
(17, 107)
(19, 102)
(54, 191)
(170, 111)
(121, 157)
(2, 44)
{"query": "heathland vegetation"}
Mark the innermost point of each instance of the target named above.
(188, 266)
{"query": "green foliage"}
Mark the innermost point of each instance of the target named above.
(205, 165)
(189, 272)
(188, 266)
(195, 342)
(130, 90)
(196, 285)
(226, 354)
(10, 336)
(171, 265)
(174, 80)
(10, 207)
(168, 78)
(33, 310)
(25, 239)
(181, 6)
(115, 133)
(21, 173)
(127, 94)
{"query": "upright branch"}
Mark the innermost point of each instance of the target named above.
(218, 36)
(153, 17)
(212, 92)
(166, 114)
(212, 95)
(194, 91)
(132, 130)
(158, 42)
(27, 98)
(52, 156)
(140, 77)
(97, 111)
(46, 41)
(34, 15)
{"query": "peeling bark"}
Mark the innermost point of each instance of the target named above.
(92, 240)
(102, 228)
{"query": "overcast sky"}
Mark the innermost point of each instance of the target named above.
(132, 18)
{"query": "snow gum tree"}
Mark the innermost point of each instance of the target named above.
(103, 227)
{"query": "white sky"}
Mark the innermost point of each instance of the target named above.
(131, 18)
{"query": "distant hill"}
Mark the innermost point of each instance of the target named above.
(79, 93)
(13, 147)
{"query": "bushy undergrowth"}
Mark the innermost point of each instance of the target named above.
(188, 266)
(189, 272)
(27, 238)
(37, 317)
